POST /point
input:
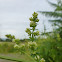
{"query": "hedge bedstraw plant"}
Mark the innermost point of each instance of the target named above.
(33, 23)
(32, 46)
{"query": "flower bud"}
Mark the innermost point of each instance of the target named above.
(37, 20)
(28, 31)
(33, 24)
(32, 45)
(22, 45)
(31, 19)
(35, 14)
(42, 60)
(16, 46)
(36, 33)
(37, 57)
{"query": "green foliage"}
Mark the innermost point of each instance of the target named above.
(57, 14)
(33, 23)
(32, 45)
(13, 59)
(32, 48)
(10, 36)
(28, 31)
(51, 48)
(6, 47)
(17, 41)
(46, 49)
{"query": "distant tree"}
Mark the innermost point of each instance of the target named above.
(57, 14)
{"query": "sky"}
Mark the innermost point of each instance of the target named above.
(15, 14)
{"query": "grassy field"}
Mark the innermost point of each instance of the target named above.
(7, 50)
(47, 48)
(16, 57)
(2, 60)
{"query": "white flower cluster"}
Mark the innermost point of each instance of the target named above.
(32, 45)
(37, 57)
(16, 46)
(19, 46)
(22, 45)
(16, 41)
(42, 60)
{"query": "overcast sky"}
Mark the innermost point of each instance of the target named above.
(14, 16)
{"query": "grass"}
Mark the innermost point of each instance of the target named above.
(6, 47)
(11, 59)
(15, 57)
(7, 52)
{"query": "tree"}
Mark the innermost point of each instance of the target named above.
(57, 14)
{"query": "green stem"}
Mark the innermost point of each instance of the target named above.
(32, 34)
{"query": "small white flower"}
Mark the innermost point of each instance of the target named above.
(32, 43)
(42, 60)
(35, 43)
(37, 57)
(16, 46)
(22, 45)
